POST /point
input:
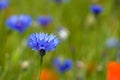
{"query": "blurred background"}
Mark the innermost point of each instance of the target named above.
(89, 40)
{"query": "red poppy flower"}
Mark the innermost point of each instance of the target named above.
(113, 71)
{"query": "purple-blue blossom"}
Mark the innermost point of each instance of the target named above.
(42, 41)
(44, 20)
(112, 43)
(4, 4)
(96, 9)
(58, 1)
(19, 22)
(61, 1)
(62, 66)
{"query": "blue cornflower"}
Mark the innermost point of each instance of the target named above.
(19, 23)
(96, 9)
(44, 20)
(61, 1)
(112, 43)
(4, 4)
(43, 42)
(58, 1)
(62, 66)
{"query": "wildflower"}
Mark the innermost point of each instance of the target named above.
(25, 65)
(112, 43)
(44, 20)
(113, 72)
(62, 66)
(43, 43)
(58, 1)
(48, 74)
(63, 33)
(80, 64)
(19, 23)
(4, 4)
(96, 9)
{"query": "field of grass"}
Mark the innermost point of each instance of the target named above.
(86, 42)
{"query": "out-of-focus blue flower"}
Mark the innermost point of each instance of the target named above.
(4, 4)
(42, 41)
(62, 66)
(112, 43)
(44, 20)
(19, 23)
(61, 1)
(96, 9)
(58, 1)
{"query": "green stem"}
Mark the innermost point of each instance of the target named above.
(63, 76)
(41, 61)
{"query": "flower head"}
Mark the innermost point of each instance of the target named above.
(4, 4)
(112, 43)
(96, 9)
(58, 1)
(25, 65)
(63, 33)
(62, 66)
(19, 23)
(80, 64)
(43, 42)
(44, 20)
(61, 1)
(48, 74)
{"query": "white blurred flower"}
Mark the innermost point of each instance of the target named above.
(63, 33)
(80, 64)
(112, 42)
(25, 65)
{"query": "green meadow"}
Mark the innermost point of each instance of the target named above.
(85, 46)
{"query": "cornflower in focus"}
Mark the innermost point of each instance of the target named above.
(4, 4)
(62, 66)
(44, 20)
(19, 23)
(96, 9)
(43, 43)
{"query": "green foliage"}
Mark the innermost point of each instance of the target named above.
(88, 38)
